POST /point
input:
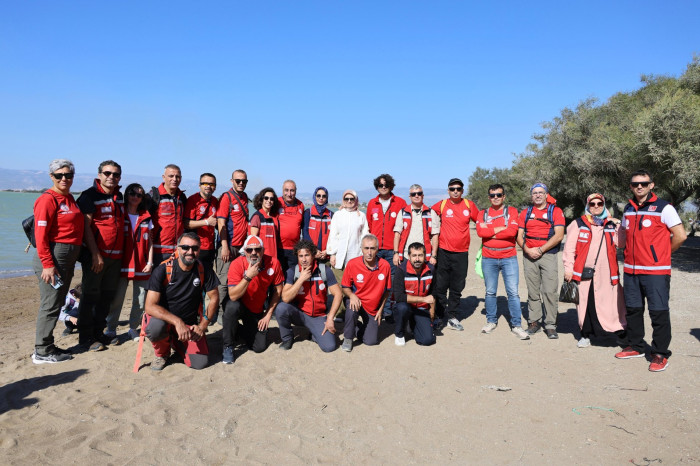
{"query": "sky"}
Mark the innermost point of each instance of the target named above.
(323, 92)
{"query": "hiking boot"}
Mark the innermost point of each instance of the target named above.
(454, 324)
(628, 353)
(134, 334)
(489, 327)
(533, 327)
(399, 341)
(228, 357)
(347, 345)
(53, 356)
(551, 333)
(158, 364)
(287, 345)
(583, 343)
(658, 363)
(96, 346)
(520, 333)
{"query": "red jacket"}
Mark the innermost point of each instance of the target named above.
(236, 215)
(313, 295)
(107, 224)
(414, 284)
(198, 208)
(269, 232)
(319, 227)
(136, 244)
(57, 219)
(290, 219)
(648, 242)
(380, 223)
(583, 244)
(168, 221)
(427, 223)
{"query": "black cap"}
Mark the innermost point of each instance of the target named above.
(455, 181)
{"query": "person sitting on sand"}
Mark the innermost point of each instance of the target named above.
(174, 305)
(70, 310)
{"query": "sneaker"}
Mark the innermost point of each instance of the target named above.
(658, 363)
(158, 364)
(533, 327)
(551, 333)
(399, 341)
(583, 343)
(520, 333)
(228, 355)
(489, 327)
(287, 345)
(454, 324)
(96, 346)
(134, 334)
(628, 353)
(53, 356)
(347, 345)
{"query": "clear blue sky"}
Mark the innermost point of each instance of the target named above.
(324, 92)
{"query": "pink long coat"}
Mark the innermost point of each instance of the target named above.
(609, 299)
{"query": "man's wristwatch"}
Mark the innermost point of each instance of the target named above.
(247, 278)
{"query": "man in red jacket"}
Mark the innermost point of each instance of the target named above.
(200, 212)
(653, 230)
(382, 212)
(497, 226)
(169, 214)
(291, 217)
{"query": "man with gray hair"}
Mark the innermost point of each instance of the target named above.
(291, 216)
(414, 225)
(168, 213)
(366, 284)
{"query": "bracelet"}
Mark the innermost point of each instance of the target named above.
(540, 250)
(149, 263)
(205, 317)
(246, 277)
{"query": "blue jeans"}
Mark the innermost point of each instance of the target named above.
(388, 255)
(509, 267)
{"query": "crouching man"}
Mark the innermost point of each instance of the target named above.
(414, 300)
(305, 299)
(174, 305)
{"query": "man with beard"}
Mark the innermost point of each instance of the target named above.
(414, 297)
(200, 211)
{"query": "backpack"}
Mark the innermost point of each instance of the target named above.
(505, 215)
(154, 197)
(444, 201)
(549, 219)
(297, 273)
(28, 226)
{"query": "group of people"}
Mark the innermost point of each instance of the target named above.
(201, 259)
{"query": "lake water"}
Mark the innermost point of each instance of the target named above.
(15, 207)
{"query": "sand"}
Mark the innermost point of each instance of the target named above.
(384, 404)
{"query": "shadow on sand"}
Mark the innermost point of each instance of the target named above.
(16, 394)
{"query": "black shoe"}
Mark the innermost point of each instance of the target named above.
(533, 327)
(287, 345)
(51, 357)
(551, 333)
(66, 332)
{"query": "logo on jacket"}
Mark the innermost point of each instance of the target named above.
(583, 234)
(652, 208)
(375, 216)
(646, 222)
(196, 282)
(405, 225)
(393, 215)
(236, 208)
(380, 276)
(145, 236)
(449, 213)
(202, 209)
(360, 278)
(64, 208)
(466, 212)
(270, 271)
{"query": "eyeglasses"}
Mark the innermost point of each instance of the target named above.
(595, 204)
(539, 193)
(417, 194)
(60, 176)
(455, 188)
(321, 196)
(242, 181)
(187, 247)
(348, 199)
(637, 184)
(498, 195)
(382, 185)
(212, 185)
(252, 250)
(139, 195)
(268, 198)
(107, 174)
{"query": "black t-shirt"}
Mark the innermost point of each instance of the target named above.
(183, 294)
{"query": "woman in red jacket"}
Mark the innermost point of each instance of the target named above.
(265, 223)
(58, 229)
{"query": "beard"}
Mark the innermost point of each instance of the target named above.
(188, 259)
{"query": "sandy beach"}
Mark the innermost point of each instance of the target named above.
(385, 404)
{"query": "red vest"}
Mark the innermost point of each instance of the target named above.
(168, 221)
(319, 227)
(427, 222)
(417, 285)
(648, 244)
(380, 223)
(135, 255)
(107, 220)
(269, 233)
(313, 295)
(583, 244)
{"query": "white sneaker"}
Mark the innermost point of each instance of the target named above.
(520, 333)
(583, 343)
(399, 341)
(454, 324)
(489, 327)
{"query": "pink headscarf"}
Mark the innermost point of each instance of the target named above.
(357, 200)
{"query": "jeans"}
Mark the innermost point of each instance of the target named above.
(422, 326)
(509, 268)
(388, 255)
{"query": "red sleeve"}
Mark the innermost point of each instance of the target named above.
(278, 277)
(388, 275)
(224, 205)
(347, 277)
(559, 220)
(474, 212)
(511, 230)
(482, 229)
(235, 272)
(44, 219)
(255, 222)
(191, 208)
(521, 218)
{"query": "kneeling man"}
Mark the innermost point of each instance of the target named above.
(305, 299)
(366, 284)
(414, 299)
(174, 305)
(253, 278)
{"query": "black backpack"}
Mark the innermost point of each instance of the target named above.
(28, 226)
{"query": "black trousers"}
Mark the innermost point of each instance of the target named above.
(254, 339)
(451, 275)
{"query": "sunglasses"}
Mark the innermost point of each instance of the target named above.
(455, 188)
(637, 184)
(268, 198)
(252, 250)
(498, 195)
(382, 185)
(187, 247)
(417, 194)
(60, 176)
(139, 195)
(107, 174)
(348, 199)
(595, 204)
(212, 185)
(321, 196)
(242, 181)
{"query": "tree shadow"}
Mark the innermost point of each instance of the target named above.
(15, 395)
(687, 258)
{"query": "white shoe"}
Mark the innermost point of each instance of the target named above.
(520, 333)
(399, 341)
(583, 343)
(454, 324)
(489, 327)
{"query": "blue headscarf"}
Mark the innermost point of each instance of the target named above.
(320, 207)
(539, 185)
